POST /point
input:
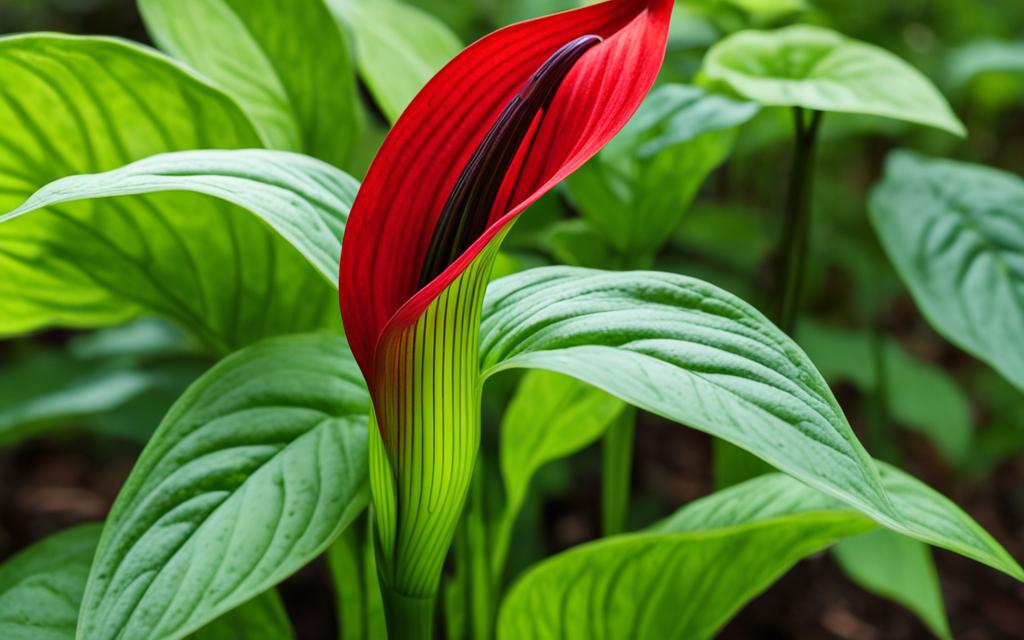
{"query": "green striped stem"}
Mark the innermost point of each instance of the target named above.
(424, 440)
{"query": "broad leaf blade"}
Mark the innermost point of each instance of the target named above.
(398, 48)
(695, 354)
(286, 62)
(41, 591)
(815, 68)
(683, 349)
(232, 245)
(251, 475)
(955, 233)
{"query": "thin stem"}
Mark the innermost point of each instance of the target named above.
(796, 229)
(618, 468)
(481, 584)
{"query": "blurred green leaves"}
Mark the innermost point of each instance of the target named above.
(285, 61)
(955, 233)
(634, 193)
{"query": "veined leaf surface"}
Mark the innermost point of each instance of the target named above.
(285, 61)
(252, 474)
(955, 233)
(232, 245)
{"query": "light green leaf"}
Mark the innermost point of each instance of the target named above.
(353, 567)
(685, 350)
(41, 591)
(232, 245)
(899, 568)
(985, 56)
(955, 233)
(815, 68)
(251, 475)
(550, 417)
(285, 61)
(921, 396)
(637, 189)
(398, 48)
(40, 588)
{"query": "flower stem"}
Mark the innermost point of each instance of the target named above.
(408, 617)
(796, 229)
(618, 467)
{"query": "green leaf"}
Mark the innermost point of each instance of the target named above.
(353, 568)
(251, 475)
(985, 56)
(40, 588)
(815, 68)
(687, 351)
(398, 48)
(920, 395)
(550, 417)
(637, 189)
(41, 591)
(232, 245)
(898, 568)
(285, 61)
(955, 233)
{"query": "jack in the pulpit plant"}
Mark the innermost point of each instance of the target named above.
(503, 123)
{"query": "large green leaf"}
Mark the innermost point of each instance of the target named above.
(398, 48)
(252, 474)
(815, 68)
(285, 61)
(692, 353)
(638, 188)
(687, 575)
(41, 591)
(898, 568)
(955, 233)
(233, 245)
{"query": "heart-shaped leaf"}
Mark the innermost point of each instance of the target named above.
(815, 68)
(252, 474)
(695, 354)
(232, 245)
(955, 233)
(276, 58)
(398, 48)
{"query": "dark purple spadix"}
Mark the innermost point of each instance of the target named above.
(469, 205)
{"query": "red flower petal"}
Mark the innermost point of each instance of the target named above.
(393, 218)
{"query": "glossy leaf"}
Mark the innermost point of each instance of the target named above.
(232, 245)
(638, 188)
(898, 568)
(685, 350)
(955, 233)
(252, 474)
(815, 68)
(398, 48)
(41, 590)
(275, 57)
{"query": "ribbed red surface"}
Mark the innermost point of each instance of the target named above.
(393, 217)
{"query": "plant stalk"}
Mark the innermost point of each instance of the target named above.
(481, 583)
(797, 226)
(618, 468)
(408, 618)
